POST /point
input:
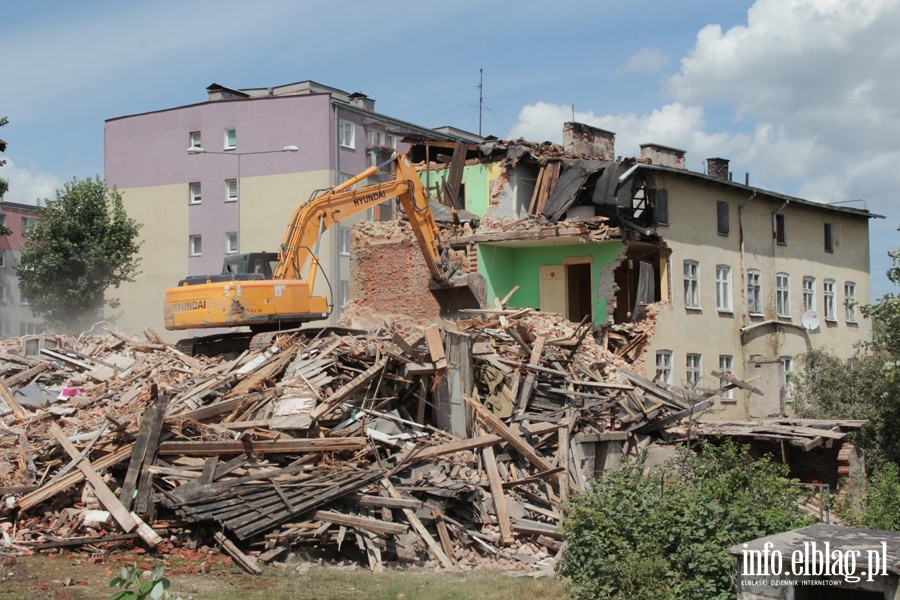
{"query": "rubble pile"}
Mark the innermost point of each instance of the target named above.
(448, 446)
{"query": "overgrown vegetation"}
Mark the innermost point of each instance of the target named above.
(82, 243)
(664, 535)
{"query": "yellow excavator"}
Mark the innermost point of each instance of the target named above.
(273, 292)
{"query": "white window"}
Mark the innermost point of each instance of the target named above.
(783, 294)
(723, 288)
(2, 258)
(663, 367)
(196, 245)
(809, 293)
(345, 241)
(345, 293)
(231, 190)
(375, 138)
(787, 367)
(850, 301)
(230, 138)
(195, 140)
(348, 134)
(754, 293)
(691, 284)
(231, 242)
(693, 369)
(392, 140)
(28, 223)
(194, 193)
(726, 365)
(830, 305)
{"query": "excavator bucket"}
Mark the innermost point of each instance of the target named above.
(464, 290)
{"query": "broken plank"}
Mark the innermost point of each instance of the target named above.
(248, 563)
(14, 406)
(344, 391)
(192, 448)
(419, 527)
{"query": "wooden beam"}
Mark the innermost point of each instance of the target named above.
(14, 406)
(419, 527)
(497, 495)
(290, 446)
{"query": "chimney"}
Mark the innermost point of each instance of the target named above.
(360, 100)
(718, 168)
(592, 142)
(663, 156)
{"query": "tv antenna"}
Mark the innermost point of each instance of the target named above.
(480, 97)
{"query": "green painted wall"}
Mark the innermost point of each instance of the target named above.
(477, 180)
(504, 267)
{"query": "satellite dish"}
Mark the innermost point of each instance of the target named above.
(810, 320)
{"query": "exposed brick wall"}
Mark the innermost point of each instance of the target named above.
(581, 139)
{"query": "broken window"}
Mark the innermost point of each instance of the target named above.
(783, 295)
(726, 365)
(828, 294)
(754, 292)
(809, 293)
(661, 206)
(722, 217)
(829, 238)
(850, 301)
(723, 288)
(691, 284)
(778, 229)
(663, 367)
(693, 369)
(230, 138)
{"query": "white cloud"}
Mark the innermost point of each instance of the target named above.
(27, 184)
(647, 60)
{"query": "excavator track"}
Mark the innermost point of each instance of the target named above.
(224, 343)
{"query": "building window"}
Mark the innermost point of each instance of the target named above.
(2, 295)
(693, 369)
(230, 138)
(691, 284)
(783, 294)
(345, 293)
(723, 288)
(196, 245)
(2, 220)
(231, 242)
(28, 223)
(348, 134)
(663, 367)
(231, 190)
(754, 292)
(850, 301)
(195, 140)
(722, 217)
(809, 293)
(392, 140)
(778, 229)
(30, 329)
(830, 305)
(2, 258)
(661, 206)
(829, 238)
(345, 241)
(726, 365)
(787, 385)
(194, 193)
(24, 300)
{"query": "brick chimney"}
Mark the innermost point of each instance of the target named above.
(663, 155)
(579, 138)
(718, 168)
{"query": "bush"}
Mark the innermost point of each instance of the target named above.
(878, 507)
(664, 535)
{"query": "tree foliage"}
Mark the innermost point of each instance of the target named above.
(83, 243)
(4, 184)
(885, 313)
(664, 535)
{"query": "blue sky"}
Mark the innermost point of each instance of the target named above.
(802, 94)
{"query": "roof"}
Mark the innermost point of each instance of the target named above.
(760, 191)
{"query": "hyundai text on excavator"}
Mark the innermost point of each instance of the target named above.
(271, 292)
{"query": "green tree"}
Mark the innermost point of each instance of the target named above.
(664, 535)
(885, 313)
(4, 184)
(82, 244)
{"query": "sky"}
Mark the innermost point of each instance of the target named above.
(803, 95)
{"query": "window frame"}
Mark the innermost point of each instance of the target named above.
(347, 129)
(726, 365)
(2, 294)
(850, 313)
(779, 228)
(661, 206)
(783, 295)
(195, 195)
(691, 271)
(829, 298)
(722, 218)
(693, 372)
(195, 245)
(2, 258)
(809, 293)
(345, 292)
(345, 241)
(194, 140)
(724, 301)
(829, 237)
(754, 292)
(229, 248)
(230, 141)
(787, 386)
(232, 184)
(663, 367)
